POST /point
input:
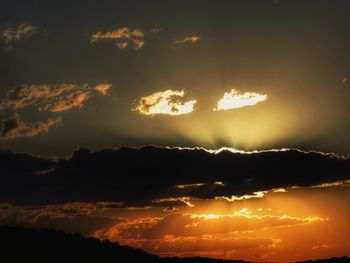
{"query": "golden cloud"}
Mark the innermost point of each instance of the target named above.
(185, 199)
(14, 34)
(258, 194)
(103, 88)
(164, 102)
(15, 127)
(52, 98)
(234, 100)
(208, 229)
(122, 45)
(188, 40)
(124, 37)
(73, 100)
(248, 214)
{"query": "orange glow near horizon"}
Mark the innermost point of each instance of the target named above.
(282, 226)
(286, 225)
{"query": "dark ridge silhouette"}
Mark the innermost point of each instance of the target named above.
(138, 176)
(49, 245)
(330, 260)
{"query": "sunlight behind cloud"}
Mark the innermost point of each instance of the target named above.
(164, 102)
(234, 100)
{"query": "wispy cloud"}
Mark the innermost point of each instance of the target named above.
(15, 34)
(165, 102)
(124, 37)
(188, 40)
(52, 98)
(343, 84)
(103, 88)
(234, 100)
(45, 97)
(14, 127)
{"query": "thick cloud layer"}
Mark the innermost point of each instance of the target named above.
(140, 176)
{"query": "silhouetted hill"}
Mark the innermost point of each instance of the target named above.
(329, 260)
(48, 245)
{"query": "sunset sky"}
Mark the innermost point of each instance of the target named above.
(245, 103)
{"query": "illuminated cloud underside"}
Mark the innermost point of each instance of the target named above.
(234, 100)
(164, 102)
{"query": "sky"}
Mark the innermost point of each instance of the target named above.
(245, 104)
(294, 52)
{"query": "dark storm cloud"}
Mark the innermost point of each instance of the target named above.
(14, 127)
(138, 176)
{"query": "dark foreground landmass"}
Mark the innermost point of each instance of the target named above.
(49, 245)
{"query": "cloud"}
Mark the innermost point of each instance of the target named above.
(189, 225)
(15, 127)
(122, 45)
(55, 217)
(343, 84)
(164, 102)
(188, 40)
(103, 88)
(15, 34)
(343, 183)
(174, 200)
(52, 98)
(156, 173)
(124, 37)
(234, 100)
(171, 235)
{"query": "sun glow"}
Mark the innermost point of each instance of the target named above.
(234, 100)
(164, 102)
(248, 214)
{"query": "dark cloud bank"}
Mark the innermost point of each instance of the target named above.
(138, 176)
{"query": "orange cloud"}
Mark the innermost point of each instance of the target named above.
(73, 100)
(103, 88)
(15, 34)
(119, 33)
(259, 194)
(234, 100)
(53, 98)
(124, 37)
(193, 234)
(188, 40)
(15, 127)
(122, 45)
(164, 102)
(263, 230)
(186, 200)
